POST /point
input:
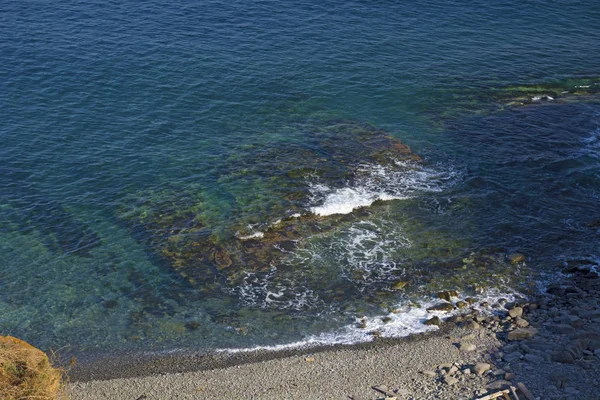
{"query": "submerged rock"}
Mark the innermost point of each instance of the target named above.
(516, 258)
(447, 294)
(433, 321)
(441, 307)
(399, 285)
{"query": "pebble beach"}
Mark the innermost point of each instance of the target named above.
(547, 346)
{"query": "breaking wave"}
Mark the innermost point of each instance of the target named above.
(403, 180)
(404, 321)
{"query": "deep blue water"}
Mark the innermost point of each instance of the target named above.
(132, 130)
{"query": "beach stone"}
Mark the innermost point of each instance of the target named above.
(514, 356)
(446, 294)
(472, 325)
(467, 347)
(433, 321)
(441, 307)
(555, 290)
(430, 374)
(562, 329)
(515, 312)
(559, 378)
(453, 370)
(450, 380)
(509, 348)
(461, 304)
(577, 323)
(468, 337)
(466, 371)
(522, 333)
(481, 368)
(589, 314)
(521, 323)
(509, 376)
(562, 357)
(497, 385)
(532, 358)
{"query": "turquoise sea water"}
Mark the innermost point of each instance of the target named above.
(145, 147)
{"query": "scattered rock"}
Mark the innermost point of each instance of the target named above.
(461, 304)
(521, 323)
(522, 333)
(532, 358)
(433, 321)
(555, 289)
(467, 347)
(446, 294)
(562, 329)
(563, 357)
(481, 368)
(472, 325)
(497, 385)
(450, 380)
(514, 356)
(430, 374)
(441, 307)
(559, 378)
(516, 312)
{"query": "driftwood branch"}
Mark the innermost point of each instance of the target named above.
(525, 391)
(501, 393)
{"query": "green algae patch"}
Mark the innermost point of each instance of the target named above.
(264, 217)
(485, 100)
(257, 245)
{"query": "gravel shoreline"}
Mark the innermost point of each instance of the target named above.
(549, 343)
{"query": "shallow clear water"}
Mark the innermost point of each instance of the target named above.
(146, 147)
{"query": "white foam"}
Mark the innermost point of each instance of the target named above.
(267, 290)
(365, 252)
(406, 320)
(542, 97)
(376, 182)
(255, 235)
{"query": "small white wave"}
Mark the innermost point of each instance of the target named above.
(255, 235)
(405, 321)
(543, 97)
(267, 290)
(377, 182)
